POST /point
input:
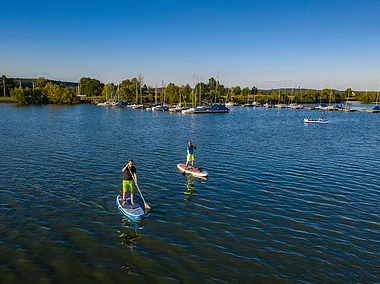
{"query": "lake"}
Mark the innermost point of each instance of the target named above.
(285, 202)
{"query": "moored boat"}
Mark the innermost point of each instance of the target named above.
(248, 104)
(318, 120)
(160, 108)
(177, 108)
(230, 104)
(216, 108)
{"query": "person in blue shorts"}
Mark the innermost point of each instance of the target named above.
(129, 175)
(190, 153)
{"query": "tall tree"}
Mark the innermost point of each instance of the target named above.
(19, 95)
(90, 87)
(172, 93)
(53, 92)
(6, 85)
(41, 82)
(68, 96)
(186, 94)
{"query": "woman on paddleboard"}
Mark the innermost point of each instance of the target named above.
(190, 153)
(129, 175)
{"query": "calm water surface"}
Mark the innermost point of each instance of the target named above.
(284, 202)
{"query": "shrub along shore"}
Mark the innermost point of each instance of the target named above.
(89, 90)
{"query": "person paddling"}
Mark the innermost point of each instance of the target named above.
(129, 175)
(190, 154)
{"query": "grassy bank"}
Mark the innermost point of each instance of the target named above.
(7, 100)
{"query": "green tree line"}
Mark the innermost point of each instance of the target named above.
(44, 91)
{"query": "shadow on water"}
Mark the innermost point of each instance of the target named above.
(190, 186)
(129, 233)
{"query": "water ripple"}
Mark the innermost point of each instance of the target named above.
(284, 202)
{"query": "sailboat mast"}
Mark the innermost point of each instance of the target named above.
(377, 95)
(137, 99)
(5, 94)
(216, 89)
(164, 91)
(107, 92)
(299, 89)
(292, 93)
(179, 92)
(155, 93)
(195, 95)
(192, 91)
(200, 93)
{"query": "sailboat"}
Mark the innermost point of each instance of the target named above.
(296, 105)
(162, 106)
(280, 105)
(255, 103)
(248, 104)
(119, 104)
(376, 108)
(180, 107)
(268, 104)
(321, 106)
(330, 107)
(230, 103)
(348, 107)
(325, 106)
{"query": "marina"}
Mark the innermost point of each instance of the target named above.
(224, 108)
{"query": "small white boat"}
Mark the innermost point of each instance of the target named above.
(160, 108)
(318, 120)
(107, 103)
(294, 106)
(193, 110)
(268, 105)
(178, 108)
(280, 106)
(230, 104)
(216, 108)
(136, 106)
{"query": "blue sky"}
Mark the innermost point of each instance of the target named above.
(268, 44)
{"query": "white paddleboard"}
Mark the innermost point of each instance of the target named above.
(133, 212)
(193, 171)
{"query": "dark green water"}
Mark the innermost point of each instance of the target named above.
(285, 202)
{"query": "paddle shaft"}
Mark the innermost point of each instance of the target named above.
(142, 197)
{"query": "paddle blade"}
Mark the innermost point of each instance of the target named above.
(147, 206)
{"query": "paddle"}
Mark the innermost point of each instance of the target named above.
(142, 197)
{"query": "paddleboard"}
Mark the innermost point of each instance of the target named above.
(193, 171)
(133, 212)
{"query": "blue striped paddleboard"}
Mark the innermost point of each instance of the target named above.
(133, 212)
